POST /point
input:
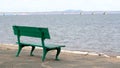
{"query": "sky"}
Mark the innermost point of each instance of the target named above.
(58, 5)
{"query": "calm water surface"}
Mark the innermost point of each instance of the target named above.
(97, 33)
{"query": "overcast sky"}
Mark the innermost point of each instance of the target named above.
(58, 5)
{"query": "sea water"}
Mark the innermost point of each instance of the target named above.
(96, 33)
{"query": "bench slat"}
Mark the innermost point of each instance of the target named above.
(31, 31)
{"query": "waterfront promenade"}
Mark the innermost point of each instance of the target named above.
(67, 59)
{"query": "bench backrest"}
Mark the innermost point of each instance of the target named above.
(31, 31)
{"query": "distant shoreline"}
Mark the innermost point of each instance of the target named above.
(61, 12)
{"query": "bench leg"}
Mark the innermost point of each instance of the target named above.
(58, 52)
(44, 54)
(31, 53)
(19, 50)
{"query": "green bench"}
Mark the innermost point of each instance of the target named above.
(35, 32)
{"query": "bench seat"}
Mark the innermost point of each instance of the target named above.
(39, 45)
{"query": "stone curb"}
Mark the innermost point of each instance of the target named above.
(90, 53)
